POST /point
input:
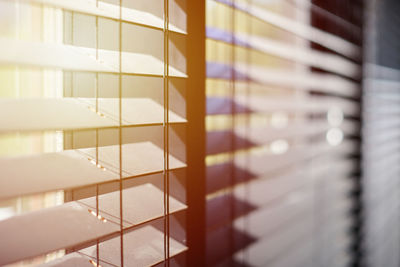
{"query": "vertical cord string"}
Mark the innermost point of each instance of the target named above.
(97, 130)
(72, 73)
(120, 136)
(97, 214)
(97, 58)
(166, 133)
(18, 37)
(233, 141)
(72, 43)
(247, 121)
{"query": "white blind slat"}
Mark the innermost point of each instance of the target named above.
(287, 51)
(69, 57)
(297, 27)
(134, 210)
(79, 113)
(108, 10)
(148, 240)
(76, 168)
(68, 225)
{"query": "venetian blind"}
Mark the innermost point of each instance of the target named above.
(92, 135)
(381, 78)
(283, 88)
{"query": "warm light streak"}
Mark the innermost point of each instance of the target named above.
(99, 217)
(94, 263)
(97, 164)
(97, 112)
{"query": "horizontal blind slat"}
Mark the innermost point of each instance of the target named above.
(84, 224)
(68, 225)
(148, 240)
(244, 138)
(309, 57)
(71, 259)
(134, 210)
(76, 168)
(261, 103)
(325, 39)
(320, 82)
(76, 58)
(79, 113)
(108, 10)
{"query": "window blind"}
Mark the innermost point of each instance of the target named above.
(283, 89)
(93, 118)
(380, 133)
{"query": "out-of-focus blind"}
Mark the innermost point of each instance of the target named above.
(283, 89)
(381, 135)
(381, 172)
(92, 135)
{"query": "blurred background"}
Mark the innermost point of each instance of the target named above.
(199, 133)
